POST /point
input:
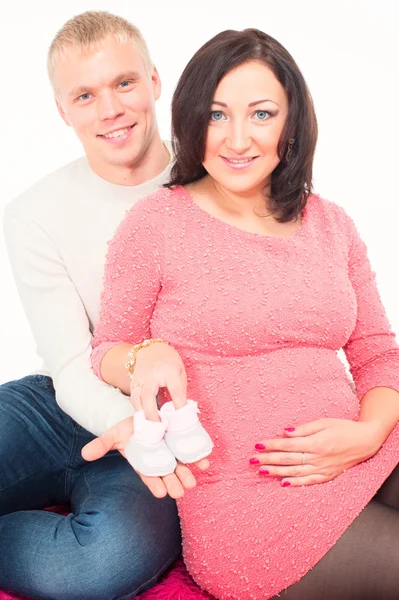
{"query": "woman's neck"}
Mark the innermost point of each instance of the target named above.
(252, 202)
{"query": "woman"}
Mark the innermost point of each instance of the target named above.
(257, 283)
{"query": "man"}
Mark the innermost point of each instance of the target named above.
(123, 530)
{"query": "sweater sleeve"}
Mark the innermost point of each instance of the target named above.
(372, 352)
(60, 326)
(132, 281)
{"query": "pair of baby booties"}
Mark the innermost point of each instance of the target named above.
(155, 445)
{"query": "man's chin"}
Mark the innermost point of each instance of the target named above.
(131, 160)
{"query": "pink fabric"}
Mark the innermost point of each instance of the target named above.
(258, 322)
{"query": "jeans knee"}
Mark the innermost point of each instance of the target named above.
(104, 573)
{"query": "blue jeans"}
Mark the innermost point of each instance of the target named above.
(117, 539)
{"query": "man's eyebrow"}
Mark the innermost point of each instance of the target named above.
(120, 77)
(78, 91)
(250, 104)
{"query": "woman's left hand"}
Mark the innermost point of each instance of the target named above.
(318, 451)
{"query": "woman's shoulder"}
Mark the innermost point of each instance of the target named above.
(329, 215)
(144, 223)
(156, 205)
(150, 216)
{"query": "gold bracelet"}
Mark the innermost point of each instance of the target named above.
(131, 363)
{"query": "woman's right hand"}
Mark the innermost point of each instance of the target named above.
(157, 365)
(116, 438)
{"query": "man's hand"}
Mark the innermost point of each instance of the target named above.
(116, 438)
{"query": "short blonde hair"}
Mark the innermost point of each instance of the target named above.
(90, 29)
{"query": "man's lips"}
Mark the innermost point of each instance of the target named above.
(117, 136)
(116, 132)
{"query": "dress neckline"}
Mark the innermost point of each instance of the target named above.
(206, 216)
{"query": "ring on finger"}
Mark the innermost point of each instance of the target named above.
(303, 458)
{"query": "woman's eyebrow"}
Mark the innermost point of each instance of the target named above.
(264, 100)
(250, 104)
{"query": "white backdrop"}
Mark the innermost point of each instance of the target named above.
(347, 49)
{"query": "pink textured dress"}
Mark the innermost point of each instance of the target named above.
(258, 322)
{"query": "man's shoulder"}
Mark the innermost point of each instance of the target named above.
(42, 194)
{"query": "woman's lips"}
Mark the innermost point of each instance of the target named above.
(239, 163)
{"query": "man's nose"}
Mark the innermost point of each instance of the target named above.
(110, 106)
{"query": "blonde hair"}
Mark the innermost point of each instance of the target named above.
(90, 29)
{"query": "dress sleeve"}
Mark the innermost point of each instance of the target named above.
(372, 352)
(132, 281)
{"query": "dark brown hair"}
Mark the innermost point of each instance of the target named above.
(291, 181)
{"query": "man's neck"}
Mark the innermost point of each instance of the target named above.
(151, 164)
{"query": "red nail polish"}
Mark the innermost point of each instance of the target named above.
(286, 483)
(263, 471)
(290, 429)
(254, 461)
(259, 446)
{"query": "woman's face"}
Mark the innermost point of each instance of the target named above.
(247, 116)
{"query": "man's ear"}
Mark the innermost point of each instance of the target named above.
(62, 112)
(156, 83)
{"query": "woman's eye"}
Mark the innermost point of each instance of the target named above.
(216, 115)
(84, 97)
(262, 115)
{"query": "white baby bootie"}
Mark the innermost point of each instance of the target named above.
(146, 449)
(184, 435)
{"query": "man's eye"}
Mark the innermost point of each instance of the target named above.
(124, 84)
(216, 115)
(84, 96)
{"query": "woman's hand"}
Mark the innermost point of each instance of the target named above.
(116, 438)
(318, 451)
(157, 365)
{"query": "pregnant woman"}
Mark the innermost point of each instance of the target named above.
(257, 283)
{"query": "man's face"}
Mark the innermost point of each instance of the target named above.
(108, 96)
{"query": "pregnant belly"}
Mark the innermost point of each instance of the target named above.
(245, 536)
(247, 399)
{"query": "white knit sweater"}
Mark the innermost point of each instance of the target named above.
(56, 234)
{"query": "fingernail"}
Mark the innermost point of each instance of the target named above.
(290, 429)
(259, 446)
(285, 483)
(263, 471)
(254, 461)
